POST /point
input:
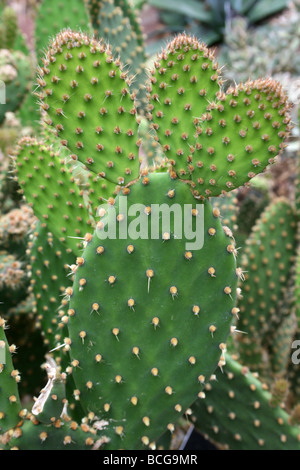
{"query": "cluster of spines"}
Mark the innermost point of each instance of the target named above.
(14, 228)
(13, 280)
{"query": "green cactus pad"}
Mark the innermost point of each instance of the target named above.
(56, 198)
(62, 435)
(157, 313)
(237, 415)
(88, 102)
(269, 255)
(51, 404)
(9, 378)
(18, 86)
(293, 366)
(8, 28)
(218, 140)
(117, 25)
(54, 15)
(13, 281)
(229, 208)
(50, 263)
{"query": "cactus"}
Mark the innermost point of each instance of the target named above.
(127, 293)
(269, 256)
(14, 228)
(53, 16)
(229, 209)
(293, 366)
(231, 142)
(9, 377)
(252, 201)
(13, 280)
(61, 435)
(110, 114)
(256, 52)
(160, 308)
(8, 28)
(238, 397)
(50, 262)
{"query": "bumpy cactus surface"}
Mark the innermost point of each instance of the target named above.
(145, 292)
(140, 322)
(269, 256)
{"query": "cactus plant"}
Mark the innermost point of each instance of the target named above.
(115, 21)
(127, 292)
(16, 73)
(237, 396)
(268, 259)
(8, 28)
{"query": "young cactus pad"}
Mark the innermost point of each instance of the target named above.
(219, 140)
(142, 315)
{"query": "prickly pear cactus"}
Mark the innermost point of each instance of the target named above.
(54, 16)
(39, 167)
(98, 124)
(15, 72)
(146, 292)
(238, 397)
(234, 136)
(116, 22)
(145, 319)
(269, 256)
(9, 377)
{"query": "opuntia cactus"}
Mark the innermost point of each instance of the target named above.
(147, 316)
(237, 396)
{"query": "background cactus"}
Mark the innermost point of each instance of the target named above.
(86, 311)
(221, 415)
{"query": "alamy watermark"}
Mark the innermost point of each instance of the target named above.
(157, 221)
(296, 354)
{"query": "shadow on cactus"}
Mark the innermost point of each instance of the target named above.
(144, 322)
